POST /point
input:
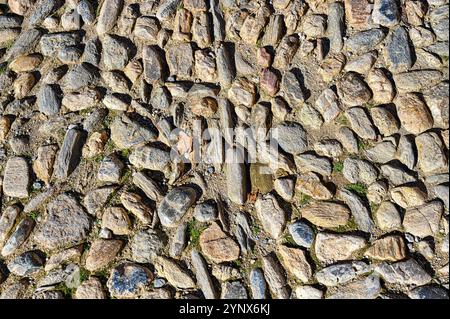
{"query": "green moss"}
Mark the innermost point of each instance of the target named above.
(288, 240)
(338, 167)
(126, 176)
(67, 292)
(304, 199)
(3, 68)
(342, 119)
(125, 153)
(33, 215)
(194, 230)
(369, 105)
(362, 145)
(84, 274)
(256, 230)
(358, 188)
(351, 225)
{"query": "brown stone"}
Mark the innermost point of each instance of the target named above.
(269, 82)
(102, 253)
(390, 248)
(413, 113)
(26, 63)
(295, 261)
(43, 165)
(358, 13)
(116, 219)
(326, 214)
(217, 246)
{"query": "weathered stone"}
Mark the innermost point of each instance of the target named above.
(417, 80)
(23, 44)
(328, 105)
(428, 292)
(174, 274)
(26, 264)
(204, 280)
(65, 224)
(382, 152)
(217, 246)
(116, 219)
(101, 253)
(413, 113)
(290, 136)
(176, 203)
(431, 153)
(407, 272)
(353, 90)
(408, 196)
(286, 51)
(366, 288)
(236, 175)
(398, 54)
(385, 13)
(257, 284)
(134, 203)
(424, 220)
(18, 236)
(153, 64)
(242, 92)
(271, 215)
(80, 76)
(384, 120)
(359, 210)
(336, 25)
(365, 41)
(308, 292)
(332, 66)
(16, 178)
(390, 248)
(358, 13)
(129, 280)
(127, 133)
(275, 277)
(109, 12)
(95, 200)
(90, 289)
(110, 170)
(330, 248)
(49, 100)
(381, 86)
(326, 214)
(342, 273)
(295, 262)
(292, 88)
(147, 244)
(356, 171)
(301, 233)
(43, 165)
(180, 59)
(69, 154)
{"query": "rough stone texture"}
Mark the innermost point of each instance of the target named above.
(217, 246)
(330, 248)
(271, 215)
(65, 224)
(16, 179)
(326, 214)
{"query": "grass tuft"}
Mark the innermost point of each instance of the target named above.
(338, 167)
(358, 188)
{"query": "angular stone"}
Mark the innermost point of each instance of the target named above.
(176, 203)
(26, 264)
(217, 246)
(204, 280)
(286, 51)
(174, 274)
(358, 13)
(365, 41)
(359, 171)
(292, 88)
(424, 220)
(153, 64)
(148, 186)
(275, 277)
(258, 285)
(417, 80)
(330, 248)
(381, 86)
(80, 76)
(413, 113)
(382, 152)
(431, 153)
(385, 13)
(101, 253)
(127, 133)
(428, 292)
(23, 44)
(408, 196)
(134, 203)
(359, 210)
(116, 219)
(110, 170)
(384, 120)
(18, 236)
(398, 54)
(353, 90)
(65, 224)
(437, 100)
(271, 215)
(146, 29)
(295, 261)
(180, 59)
(69, 154)
(147, 244)
(236, 175)
(116, 52)
(95, 200)
(397, 174)
(242, 92)
(390, 248)
(90, 289)
(328, 105)
(326, 214)
(7, 221)
(290, 136)
(225, 69)
(336, 25)
(16, 177)
(407, 272)
(49, 100)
